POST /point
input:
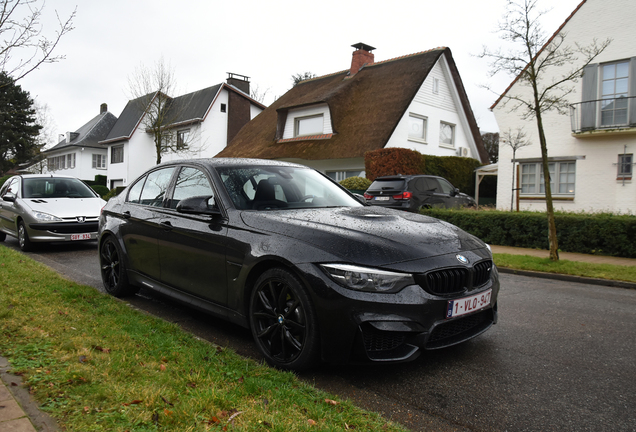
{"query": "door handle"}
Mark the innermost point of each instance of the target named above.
(126, 215)
(166, 225)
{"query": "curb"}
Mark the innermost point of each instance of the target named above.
(569, 278)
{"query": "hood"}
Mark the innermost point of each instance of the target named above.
(66, 207)
(366, 235)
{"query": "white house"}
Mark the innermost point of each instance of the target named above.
(591, 151)
(416, 101)
(207, 120)
(79, 153)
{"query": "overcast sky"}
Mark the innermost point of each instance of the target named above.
(269, 41)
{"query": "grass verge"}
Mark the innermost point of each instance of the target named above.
(574, 268)
(95, 364)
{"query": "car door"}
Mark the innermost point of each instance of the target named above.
(8, 207)
(448, 194)
(141, 227)
(192, 247)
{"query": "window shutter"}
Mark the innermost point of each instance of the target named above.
(632, 91)
(589, 93)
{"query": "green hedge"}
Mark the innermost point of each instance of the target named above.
(101, 190)
(601, 234)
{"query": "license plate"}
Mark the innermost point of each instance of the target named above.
(381, 198)
(467, 305)
(80, 236)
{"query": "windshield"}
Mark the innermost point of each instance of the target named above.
(272, 188)
(386, 185)
(51, 187)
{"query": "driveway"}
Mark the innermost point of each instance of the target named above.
(561, 358)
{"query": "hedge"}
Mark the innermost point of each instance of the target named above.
(599, 233)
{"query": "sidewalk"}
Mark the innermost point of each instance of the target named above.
(19, 413)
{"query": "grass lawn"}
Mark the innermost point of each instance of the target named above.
(96, 364)
(600, 271)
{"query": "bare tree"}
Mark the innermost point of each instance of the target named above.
(515, 140)
(259, 95)
(150, 90)
(23, 45)
(46, 137)
(491, 143)
(533, 61)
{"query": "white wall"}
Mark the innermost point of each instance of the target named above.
(443, 106)
(597, 188)
(83, 163)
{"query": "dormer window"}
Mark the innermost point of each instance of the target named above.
(309, 125)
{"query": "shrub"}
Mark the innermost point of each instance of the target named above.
(391, 161)
(598, 233)
(101, 190)
(113, 192)
(356, 183)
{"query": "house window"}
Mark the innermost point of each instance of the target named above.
(562, 178)
(435, 85)
(614, 89)
(446, 134)
(117, 154)
(70, 160)
(310, 125)
(341, 175)
(182, 139)
(223, 107)
(99, 161)
(625, 164)
(417, 127)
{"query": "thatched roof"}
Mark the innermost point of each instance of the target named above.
(365, 110)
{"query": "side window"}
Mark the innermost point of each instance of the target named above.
(135, 191)
(154, 190)
(421, 185)
(447, 188)
(191, 182)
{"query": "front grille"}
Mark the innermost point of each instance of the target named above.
(382, 341)
(67, 227)
(455, 280)
(458, 330)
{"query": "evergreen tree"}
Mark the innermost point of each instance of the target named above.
(18, 128)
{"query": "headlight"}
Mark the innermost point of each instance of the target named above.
(45, 217)
(367, 279)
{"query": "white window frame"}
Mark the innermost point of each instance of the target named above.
(625, 166)
(531, 177)
(452, 126)
(422, 137)
(182, 138)
(299, 120)
(615, 96)
(119, 149)
(99, 161)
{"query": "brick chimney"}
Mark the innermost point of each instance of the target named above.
(103, 108)
(361, 56)
(241, 82)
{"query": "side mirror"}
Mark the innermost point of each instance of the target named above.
(455, 192)
(10, 198)
(360, 198)
(198, 205)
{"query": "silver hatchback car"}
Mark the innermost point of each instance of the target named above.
(48, 208)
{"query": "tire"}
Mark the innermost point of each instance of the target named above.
(113, 269)
(23, 238)
(283, 321)
(3, 236)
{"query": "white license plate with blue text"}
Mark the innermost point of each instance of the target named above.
(467, 305)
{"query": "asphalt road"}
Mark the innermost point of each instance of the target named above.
(561, 358)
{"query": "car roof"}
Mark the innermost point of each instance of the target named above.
(28, 176)
(406, 177)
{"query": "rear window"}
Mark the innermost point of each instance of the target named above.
(379, 185)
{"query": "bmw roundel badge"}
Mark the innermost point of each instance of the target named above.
(462, 259)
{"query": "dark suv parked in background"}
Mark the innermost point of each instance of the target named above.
(413, 192)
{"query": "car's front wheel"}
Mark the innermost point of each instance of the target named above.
(113, 269)
(283, 321)
(23, 238)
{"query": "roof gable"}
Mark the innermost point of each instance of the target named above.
(90, 134)
(365, 110)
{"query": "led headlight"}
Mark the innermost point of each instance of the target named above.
(45, 217)
(367, 279)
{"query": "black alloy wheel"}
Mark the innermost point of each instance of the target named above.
(283, 321)
(113, 269)
(23, 238)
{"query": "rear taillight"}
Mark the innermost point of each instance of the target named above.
(403, 196)
(367, 196)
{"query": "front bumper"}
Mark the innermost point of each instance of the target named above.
(63, 231)
(363, 327)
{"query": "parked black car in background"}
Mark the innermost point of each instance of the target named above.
(285, 251)
(414, 192)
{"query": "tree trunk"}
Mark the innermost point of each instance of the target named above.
(552, 233)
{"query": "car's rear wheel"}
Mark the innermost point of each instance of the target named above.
(283, 321)
(23, 238)
(3, 236)
(113, 269)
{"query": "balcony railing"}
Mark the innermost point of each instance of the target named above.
(602, 114)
